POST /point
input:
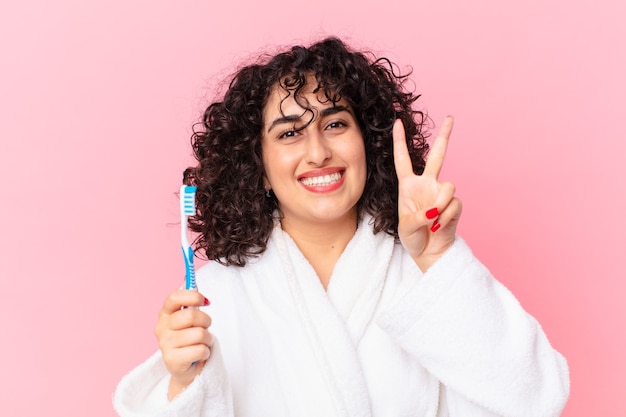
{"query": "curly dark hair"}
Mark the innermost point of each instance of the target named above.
(234, 216)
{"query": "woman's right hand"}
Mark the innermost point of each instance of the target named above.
(184, 337)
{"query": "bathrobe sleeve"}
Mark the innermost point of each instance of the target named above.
(469, 331)
(143, 392)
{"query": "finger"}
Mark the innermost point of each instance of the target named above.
(438, 151)
(189, 317)
(183, 358)
(183, 298)
(401, 157)
(450, 216)
(186, 337)
(444, 196)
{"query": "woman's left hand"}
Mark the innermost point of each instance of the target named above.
(428, 212)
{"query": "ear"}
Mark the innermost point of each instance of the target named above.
(266, 184)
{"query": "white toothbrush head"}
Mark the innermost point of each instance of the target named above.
(187, 208)
(188, 200)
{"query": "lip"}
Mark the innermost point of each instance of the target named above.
(320, 173)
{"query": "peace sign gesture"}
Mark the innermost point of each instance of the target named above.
(428, 212)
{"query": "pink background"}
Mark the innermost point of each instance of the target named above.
(97, 100)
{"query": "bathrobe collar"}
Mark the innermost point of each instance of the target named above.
(336, 319)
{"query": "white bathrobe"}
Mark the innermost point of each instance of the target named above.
(384, 340)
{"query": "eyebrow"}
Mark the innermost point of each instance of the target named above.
(292, 118)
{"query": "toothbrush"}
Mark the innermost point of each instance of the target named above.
(187, 208)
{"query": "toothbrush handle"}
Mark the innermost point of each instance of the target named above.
(190, 272)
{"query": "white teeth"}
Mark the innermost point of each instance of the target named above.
(321, 181)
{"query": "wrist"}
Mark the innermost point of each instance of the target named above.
(176, 387)
(424, 262)
(426, 259)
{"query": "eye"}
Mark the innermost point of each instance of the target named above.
(336, 124)
(288, 134)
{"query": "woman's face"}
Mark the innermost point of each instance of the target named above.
(318, 173)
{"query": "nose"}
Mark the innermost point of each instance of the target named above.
(317, 150)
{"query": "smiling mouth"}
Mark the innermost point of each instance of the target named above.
(322, 180)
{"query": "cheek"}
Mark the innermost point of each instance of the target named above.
(359, 158)
(358, 163)
(277, 163)
(363, 166)
(267, 167)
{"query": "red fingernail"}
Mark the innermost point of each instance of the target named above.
(432, 213)
(435, 227)
(206, 301)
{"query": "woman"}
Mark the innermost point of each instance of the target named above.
(339, 286)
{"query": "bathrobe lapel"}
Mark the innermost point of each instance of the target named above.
(359, 277)
(335, 321)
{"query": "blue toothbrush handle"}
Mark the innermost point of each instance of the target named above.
(190, 272)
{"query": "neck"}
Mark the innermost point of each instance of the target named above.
(322, 243)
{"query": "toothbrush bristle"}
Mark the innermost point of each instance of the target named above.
(189, 200)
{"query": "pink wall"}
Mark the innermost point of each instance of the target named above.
(97, 100)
